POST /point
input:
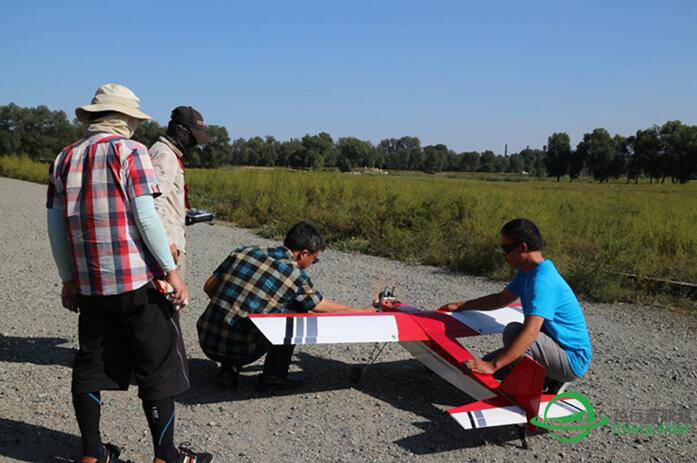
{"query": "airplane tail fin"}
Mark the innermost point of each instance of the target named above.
(518, 402)
(523, 385)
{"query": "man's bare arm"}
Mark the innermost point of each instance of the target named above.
(528, 334)
(210, 286)
(489, 302)
(329, 306)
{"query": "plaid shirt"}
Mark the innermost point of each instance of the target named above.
(252, 280)
(94, 181)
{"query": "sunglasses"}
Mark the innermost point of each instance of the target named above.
(315, 259)
(508, 248)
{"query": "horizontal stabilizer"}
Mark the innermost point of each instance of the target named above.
(499, 412)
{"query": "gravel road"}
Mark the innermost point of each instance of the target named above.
(645, 358)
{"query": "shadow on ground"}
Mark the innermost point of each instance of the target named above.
(37, 351)
(29, 442)
(404, 384)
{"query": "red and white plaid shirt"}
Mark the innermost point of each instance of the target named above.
(95, 182)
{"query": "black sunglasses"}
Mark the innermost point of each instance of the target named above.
(508, 248)
(315, 258)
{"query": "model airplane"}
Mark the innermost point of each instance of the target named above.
(431, 337)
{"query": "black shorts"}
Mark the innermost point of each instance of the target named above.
(131, 335)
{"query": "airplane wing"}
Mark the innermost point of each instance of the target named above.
(403, 323)
(338, 328)
(470, 322)
(490, 321)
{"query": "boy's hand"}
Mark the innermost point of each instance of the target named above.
(69, 295)
(481, 366)
(452, 306)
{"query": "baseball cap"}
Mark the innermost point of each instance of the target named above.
(192, 119)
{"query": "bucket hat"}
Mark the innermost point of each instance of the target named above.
(112, 97)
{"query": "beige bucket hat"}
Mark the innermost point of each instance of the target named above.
(112, 97)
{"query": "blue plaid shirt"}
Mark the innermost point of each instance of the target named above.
(252, 280)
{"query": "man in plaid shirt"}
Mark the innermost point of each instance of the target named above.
(255, 280)
(109, 244)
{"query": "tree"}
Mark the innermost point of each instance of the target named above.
(148, 132)
(353, 152)
(269, 153)
(558, 155)
(576, 164)
(486, 161)
(533, 162)
(599, 152)
(10, 136)
(292, 153)
(501, 164)
(38, 132)
(649, 153)
(317, 149)
(678, 143)
(618, 165)
(633, 166)
(435, 158)
(214, 154)
(515, 163)
(470, 161)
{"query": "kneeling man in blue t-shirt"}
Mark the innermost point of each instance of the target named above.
(554, 332)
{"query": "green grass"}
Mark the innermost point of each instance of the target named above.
(23, 168)
(591, 230)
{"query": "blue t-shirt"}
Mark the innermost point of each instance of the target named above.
(543, 292)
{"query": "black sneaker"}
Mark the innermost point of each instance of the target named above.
(554, 387)
(274, 383)
(110, 455)
(186, 455)
(228, 377)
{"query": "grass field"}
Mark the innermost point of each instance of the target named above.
(453, 221)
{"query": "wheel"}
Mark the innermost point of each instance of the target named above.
(356, 373)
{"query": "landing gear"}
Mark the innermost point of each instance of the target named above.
(356, 375)
(522, 435)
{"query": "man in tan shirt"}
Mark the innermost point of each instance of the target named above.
(185, 130)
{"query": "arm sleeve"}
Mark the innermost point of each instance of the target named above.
(307, 296)
(167, 168)
(152, 232)
(224, 267)
(58, 237)
(141, 179)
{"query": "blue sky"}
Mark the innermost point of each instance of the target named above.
(472, 75)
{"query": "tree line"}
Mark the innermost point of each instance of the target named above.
(661, 152)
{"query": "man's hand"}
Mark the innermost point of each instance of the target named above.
(452, 306)
(175, 253)
(69, 295)
(180, 292)
(481, 366)
(386, 304)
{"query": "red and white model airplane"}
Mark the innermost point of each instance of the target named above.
(431, 337)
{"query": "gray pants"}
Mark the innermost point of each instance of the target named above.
(543, 350)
